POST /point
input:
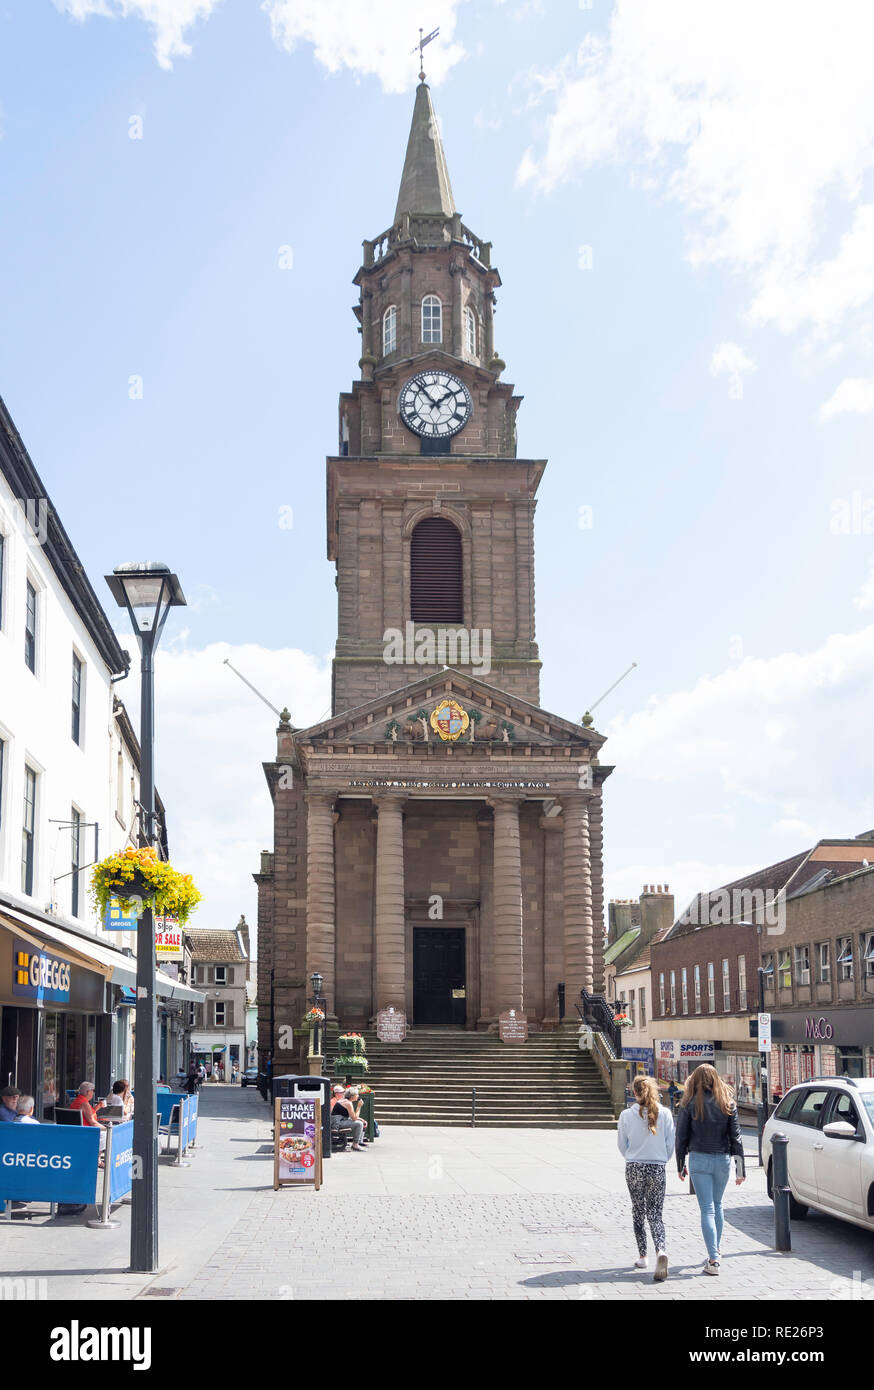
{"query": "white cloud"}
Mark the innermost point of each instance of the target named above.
(370, 37)
(170, 19)
(212, 735)
(752, 117)
(751, 731)
(855, 395)
(864, 599)
(731, 358)
(802, 832)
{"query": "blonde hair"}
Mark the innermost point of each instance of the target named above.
(646, 1092)
(703, 1079)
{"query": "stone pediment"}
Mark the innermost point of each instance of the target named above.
(497, 720)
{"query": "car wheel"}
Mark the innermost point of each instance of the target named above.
(797, 1210)
(770, 1179)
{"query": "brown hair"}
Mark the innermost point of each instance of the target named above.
(647, 1094)
(706, 1079)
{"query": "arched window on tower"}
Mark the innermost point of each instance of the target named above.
(432, 319)
(389, 330)
(470, 335)
(436, 590)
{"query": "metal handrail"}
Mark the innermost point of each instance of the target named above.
(597, 1013)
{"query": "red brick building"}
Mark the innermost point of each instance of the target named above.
(438, 840)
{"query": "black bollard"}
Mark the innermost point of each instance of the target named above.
(780, 1185)
(473, 1108)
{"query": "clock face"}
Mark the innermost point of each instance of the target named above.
(435, 404)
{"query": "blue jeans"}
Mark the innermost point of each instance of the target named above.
(709, 1174)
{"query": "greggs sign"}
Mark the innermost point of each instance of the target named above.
(37, 974)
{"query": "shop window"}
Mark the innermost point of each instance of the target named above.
(697, 989)
(845, 957)
(726, 987)
(784, 970)
(432, 319)
(807, 1063)
(684, 989)
(673, 992)
(661, 992)
(711, 988)
(742, 981)
(824, 963)
(389, 330)
(220, 1014)
(802, 965)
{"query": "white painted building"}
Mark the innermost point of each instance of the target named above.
(69, 788)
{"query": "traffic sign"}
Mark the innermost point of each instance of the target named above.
(764, 1032)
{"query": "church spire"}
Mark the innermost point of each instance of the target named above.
(425, 186)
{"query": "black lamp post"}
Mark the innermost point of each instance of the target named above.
(318, 1002)
(148, 591)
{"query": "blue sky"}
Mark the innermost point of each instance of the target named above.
(681, 202)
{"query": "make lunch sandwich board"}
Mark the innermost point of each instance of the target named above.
(297, 1142)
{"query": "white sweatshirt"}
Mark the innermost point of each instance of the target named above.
(636, 1141)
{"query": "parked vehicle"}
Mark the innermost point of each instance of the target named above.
(249, 1077)
(829, 1123)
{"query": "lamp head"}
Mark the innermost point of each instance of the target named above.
(316, 980)
(148, 591)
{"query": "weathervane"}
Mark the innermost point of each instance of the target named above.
(419, 46)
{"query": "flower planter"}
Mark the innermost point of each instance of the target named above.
(136, 887)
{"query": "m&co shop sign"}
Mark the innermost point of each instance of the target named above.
(38, 974)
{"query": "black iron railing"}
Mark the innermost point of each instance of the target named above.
(595, 1010)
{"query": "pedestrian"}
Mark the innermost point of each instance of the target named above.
(646, 1141)
(9, 1104)
(708, 1131)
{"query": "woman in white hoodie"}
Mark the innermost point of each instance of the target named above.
(646, 1141)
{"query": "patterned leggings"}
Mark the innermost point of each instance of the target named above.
(646, 1184)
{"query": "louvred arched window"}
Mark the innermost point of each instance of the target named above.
(436, 593)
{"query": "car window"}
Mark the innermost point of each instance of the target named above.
(868, 1101)
(845, 1110)
(810, 1109)
(787, 1105)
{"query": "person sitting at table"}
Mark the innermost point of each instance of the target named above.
(354, 1097)
(9, 1104)
(25, 1111)
(120, 1098)
(89, 1115)
(343, 1118)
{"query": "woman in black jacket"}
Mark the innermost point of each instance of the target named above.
(709, 1132)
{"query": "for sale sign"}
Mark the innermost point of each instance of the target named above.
(168, 938)
(297, 1141)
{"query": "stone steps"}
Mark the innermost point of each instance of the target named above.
(546, 1083)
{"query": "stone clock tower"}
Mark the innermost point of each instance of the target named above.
(438, 842)
(427, 477)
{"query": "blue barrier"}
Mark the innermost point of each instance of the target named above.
(49, 1163)
(165, 1101)
(121, 1161)
(192, 1120)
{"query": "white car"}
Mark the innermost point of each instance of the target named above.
(829, 1122)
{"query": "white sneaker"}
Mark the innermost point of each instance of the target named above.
(711, 1266)
(642, 1263)
(661, 1269)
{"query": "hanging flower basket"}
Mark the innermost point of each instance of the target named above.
(352, 1044)
(351, 1066)
(139, 876)
(622, 1020)
(313, 1016)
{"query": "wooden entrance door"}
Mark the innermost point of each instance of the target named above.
(439, 974)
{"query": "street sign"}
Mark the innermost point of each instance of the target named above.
(764, 1032)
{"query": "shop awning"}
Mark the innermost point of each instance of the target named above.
(94, 954)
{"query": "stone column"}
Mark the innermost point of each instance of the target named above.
(578, 926)
(389, 926)
(507, 906)
(320, 949)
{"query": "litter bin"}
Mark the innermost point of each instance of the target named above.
(309, 1088)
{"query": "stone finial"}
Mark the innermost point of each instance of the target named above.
(285, 716)
(587, 720)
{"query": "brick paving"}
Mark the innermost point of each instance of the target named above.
(428, 1214)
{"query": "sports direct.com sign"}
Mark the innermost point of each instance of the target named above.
(680, 1050)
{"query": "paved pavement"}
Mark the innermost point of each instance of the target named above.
(428, 1213)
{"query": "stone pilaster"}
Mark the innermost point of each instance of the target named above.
(507, 908)
(578, 945)
(389, 926)
(321, 945)
(596, 847)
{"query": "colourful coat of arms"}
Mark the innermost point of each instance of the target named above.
(449, 720)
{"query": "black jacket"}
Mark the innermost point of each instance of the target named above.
(714, 1133)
